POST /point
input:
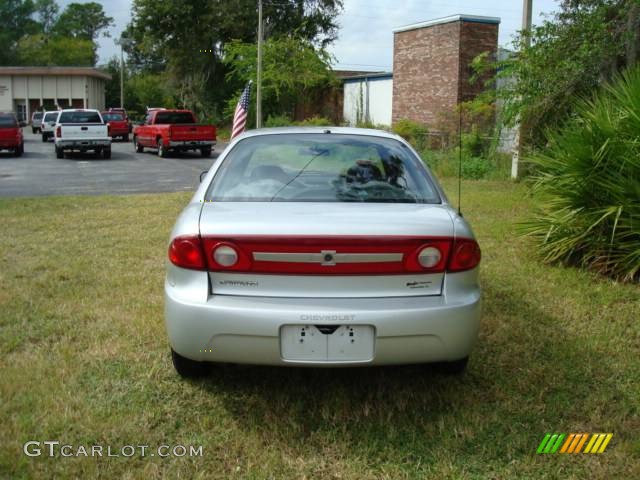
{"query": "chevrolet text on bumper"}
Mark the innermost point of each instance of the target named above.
(321, 247)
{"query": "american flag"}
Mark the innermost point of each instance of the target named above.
(240, 116)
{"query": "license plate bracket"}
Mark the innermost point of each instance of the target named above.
(347, 343)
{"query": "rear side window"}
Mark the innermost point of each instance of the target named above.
(50, 117)
(80, 117)
(322, 168)
(8, 121)
(37, 116)
(174, 117)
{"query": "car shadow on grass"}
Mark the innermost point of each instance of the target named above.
(527, 375)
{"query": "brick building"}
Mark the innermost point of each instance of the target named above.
(431, 64)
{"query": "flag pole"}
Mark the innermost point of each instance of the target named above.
(259, 73)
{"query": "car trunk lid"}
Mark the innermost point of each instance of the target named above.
(324, 249)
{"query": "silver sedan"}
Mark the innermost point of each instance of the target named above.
(321, 247)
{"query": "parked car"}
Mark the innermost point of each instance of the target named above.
(124, 114)
(117, 123)
(173, 130)
(82, 130)
(11, 134)
(48, 124)
(36, 120)
(321, 247)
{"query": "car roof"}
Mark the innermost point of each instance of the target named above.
(369, 132)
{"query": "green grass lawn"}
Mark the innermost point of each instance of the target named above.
(84, 360)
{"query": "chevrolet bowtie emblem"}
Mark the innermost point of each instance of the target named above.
(328, 258)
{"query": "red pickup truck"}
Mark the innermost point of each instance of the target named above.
(11, 134)
(117, 123)
(174, 130)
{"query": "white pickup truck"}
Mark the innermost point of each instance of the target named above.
(82, 130)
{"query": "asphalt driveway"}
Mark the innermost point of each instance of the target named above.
(38, 172)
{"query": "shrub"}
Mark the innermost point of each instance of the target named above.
(315, 122)
(415, 133)
(587, 184)
(447, 164)
(278, 121)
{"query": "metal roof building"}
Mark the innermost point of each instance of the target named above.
(24, 90)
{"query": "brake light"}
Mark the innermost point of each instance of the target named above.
(59, 132)
(186, 252)
(108, 129)
(464, 256)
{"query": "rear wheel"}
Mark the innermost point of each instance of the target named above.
(205, 151)
(18, 151)
(34, 130)
(44, 137)
(125, 138)
(59, 153)
(139, 148)
(457, 367)
(188, 368)
(162, 152)
(106, 153)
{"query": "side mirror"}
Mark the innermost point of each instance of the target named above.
(203, 174)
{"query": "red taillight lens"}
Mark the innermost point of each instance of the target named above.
(464, 256)
(58, 132)
(187, 252)
(108, 129)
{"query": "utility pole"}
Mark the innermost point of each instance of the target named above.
(527, 10)
(259, 73)
(121, 77)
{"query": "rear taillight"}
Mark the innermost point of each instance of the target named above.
(108, 129)
(58, 132)
(224, 255)
(429, 257)
(465, 255)
(346, 255)
(187, 252)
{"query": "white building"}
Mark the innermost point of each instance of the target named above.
(24, 90)
(367, 98)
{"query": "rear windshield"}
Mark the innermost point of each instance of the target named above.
(50, 117)
(80, 117)
(108, 117)
(174, 117)
(322, 168)
(8, 121)
(37, 116)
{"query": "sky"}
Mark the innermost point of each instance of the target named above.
(365, 39)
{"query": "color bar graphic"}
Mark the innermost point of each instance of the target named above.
(573, 443)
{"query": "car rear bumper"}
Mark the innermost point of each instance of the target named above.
(88, 144)
(244, 329)
(191, 143)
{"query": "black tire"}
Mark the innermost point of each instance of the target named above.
(139, 148)
(162, 152)
(59, 153)
(125, 138)
(17, 152)
(106, 153)
(456, 367)
(34, 130)
(188, 368)
(44, 137)
(205, 151)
